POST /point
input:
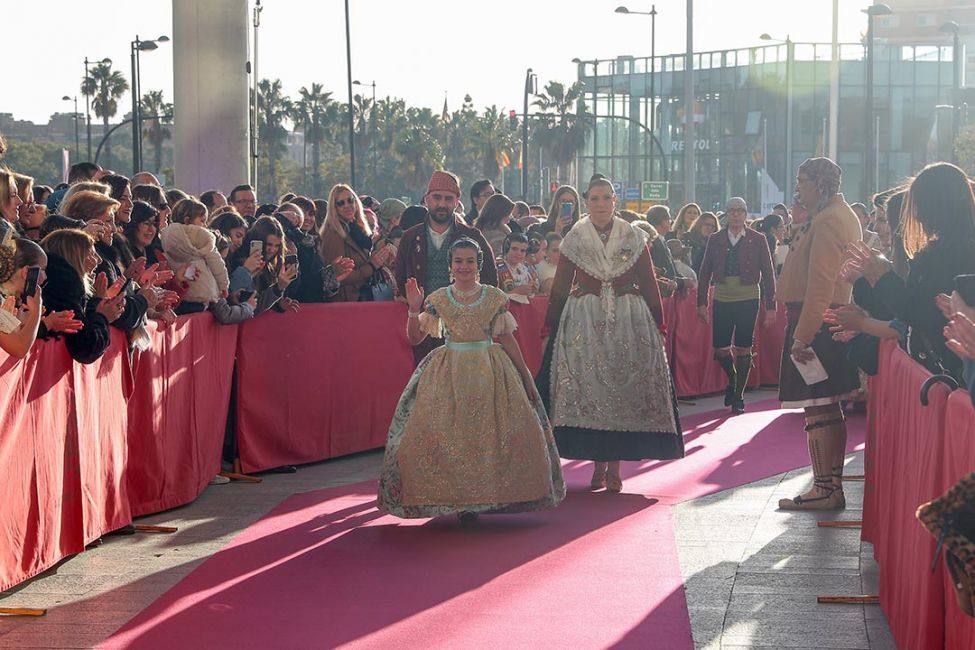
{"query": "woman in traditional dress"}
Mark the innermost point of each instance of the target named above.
(469, 434)
(605, 377)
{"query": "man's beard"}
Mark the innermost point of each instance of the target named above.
(441, 215)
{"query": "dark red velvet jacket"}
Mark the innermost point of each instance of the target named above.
(755, 264)
(411, 257)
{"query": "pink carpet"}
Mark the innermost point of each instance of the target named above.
(325, 568)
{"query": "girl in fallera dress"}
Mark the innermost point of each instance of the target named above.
(605, 376)
(469, 434)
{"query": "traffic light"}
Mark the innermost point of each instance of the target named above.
(553, 187)
(513, 119)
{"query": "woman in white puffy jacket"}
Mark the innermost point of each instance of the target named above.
(186, 241)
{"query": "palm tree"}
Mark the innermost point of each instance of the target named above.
(564, 124)
(154, 130)
(316, 112)
(420, 155)
(273, 109)
(494, 141)
(105, 86)
(462, 155)
(364, 121)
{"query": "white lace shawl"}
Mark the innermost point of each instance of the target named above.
(608, 261)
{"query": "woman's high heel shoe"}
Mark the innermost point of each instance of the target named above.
(598, 481)
(614, 483)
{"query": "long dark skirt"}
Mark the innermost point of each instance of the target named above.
(577, 443)
(843, 379)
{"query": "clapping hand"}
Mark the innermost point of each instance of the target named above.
(960, 335)
(344, 266)
(111, 308)
(289, 304)
(847, 322)
(167, 299)
(869, 263)
(165, 317)
(102, 288)
(137, 269)
(62, 321)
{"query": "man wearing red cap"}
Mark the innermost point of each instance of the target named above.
(424, 250)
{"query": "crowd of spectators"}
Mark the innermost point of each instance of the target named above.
(103, 251)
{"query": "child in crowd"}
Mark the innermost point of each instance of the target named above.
(187, 243)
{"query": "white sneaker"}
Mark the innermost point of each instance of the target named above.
(219, 480)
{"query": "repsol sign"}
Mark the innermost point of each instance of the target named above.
(699, 145)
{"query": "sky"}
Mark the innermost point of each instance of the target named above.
(420, 50)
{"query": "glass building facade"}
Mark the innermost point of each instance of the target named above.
(747, 104)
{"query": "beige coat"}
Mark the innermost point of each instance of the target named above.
(183, 244)
(811, 274)
(335, 245)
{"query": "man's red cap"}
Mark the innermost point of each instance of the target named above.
(442, 181)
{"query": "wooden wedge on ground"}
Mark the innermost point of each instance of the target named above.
(21, 611)
(841, 523)
(848, 600)
(146, 528)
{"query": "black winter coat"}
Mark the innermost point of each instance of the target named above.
(64, 290)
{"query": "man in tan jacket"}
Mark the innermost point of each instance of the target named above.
(810, 284)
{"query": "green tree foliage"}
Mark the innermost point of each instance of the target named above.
(40, 159)
(965, 148)
(156, 131)
(562, 132)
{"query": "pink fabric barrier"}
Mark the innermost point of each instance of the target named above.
(692, 354)
(914, 454)
(330, 391)
(909, 459)
(62, 455)
(959, 441)
(178, 411)
(101, 426)
(531, 321)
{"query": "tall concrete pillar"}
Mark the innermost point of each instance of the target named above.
(210, 94)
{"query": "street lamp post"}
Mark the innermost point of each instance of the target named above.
(255, 83)
(690, 173)
(348, 59)
(789, 61)
(77, 143)
(951, 27)
(869, 159)
(135, 47)
(372, 144)
(595, 86)
(531, 81)
(653, 68)
(106, 61)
